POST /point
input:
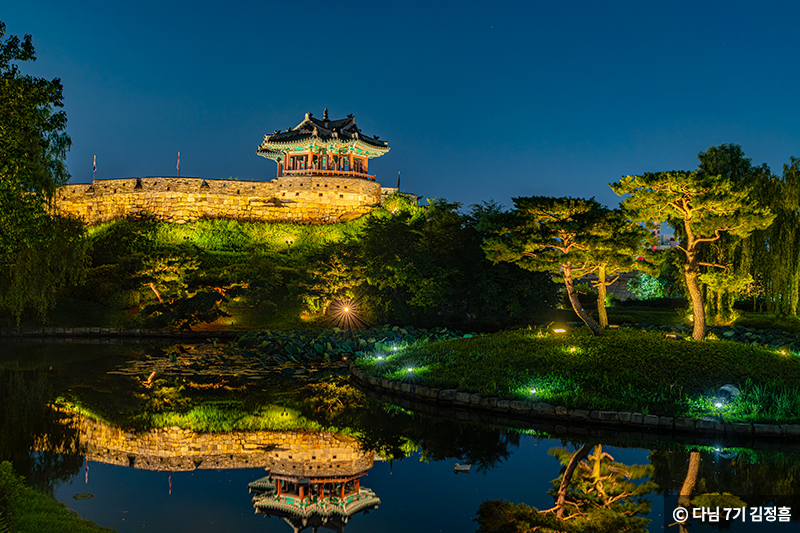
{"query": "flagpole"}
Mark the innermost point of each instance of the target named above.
(398, 181)
(179, 164)
(94, 169)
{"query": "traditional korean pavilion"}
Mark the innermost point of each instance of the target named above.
(323, 148)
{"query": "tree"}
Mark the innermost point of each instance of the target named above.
(425, 266)
(620, 248)
(704, 206)
(743, 257)
(33, 146)
(556, 235)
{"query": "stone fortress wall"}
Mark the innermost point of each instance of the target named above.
(301, 453)
(296, 199)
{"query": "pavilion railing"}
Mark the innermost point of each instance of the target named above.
(320, 172)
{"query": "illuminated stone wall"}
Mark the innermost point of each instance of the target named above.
(296, 199)
(176, 449)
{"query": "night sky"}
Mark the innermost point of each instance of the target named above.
(477, 100)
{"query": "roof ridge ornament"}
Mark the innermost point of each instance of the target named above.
(325, 114)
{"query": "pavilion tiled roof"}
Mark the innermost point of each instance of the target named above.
(343, 130)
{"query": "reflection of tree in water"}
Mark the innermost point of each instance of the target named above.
(28, 425)
(593, 494)
(728, 479)
(394, 432)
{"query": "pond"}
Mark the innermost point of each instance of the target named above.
(92, 425)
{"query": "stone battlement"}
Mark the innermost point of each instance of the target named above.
(296, 199)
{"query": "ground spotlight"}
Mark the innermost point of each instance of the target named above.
(345, 314)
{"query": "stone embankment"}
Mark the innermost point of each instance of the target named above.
(298, 200)
(100, 334)
(532, 410)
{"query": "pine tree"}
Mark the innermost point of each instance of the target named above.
(705, 206)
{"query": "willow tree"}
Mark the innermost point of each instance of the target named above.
(744, 258)
(774, 253)
(705, 206)
(39, 252)
(556, 235)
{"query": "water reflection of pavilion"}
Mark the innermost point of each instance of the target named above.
(316, 484)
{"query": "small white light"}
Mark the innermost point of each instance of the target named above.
(380, 358)
(718, 404)
(410, 369)
(394, 348)
(533, 391)
(559, 330)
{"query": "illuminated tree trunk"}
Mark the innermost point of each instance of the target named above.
(693, 284)
(155, 291)
(576, 304)
(602, 314)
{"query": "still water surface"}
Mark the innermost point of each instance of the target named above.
(181, 482)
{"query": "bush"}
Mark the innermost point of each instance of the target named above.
(11, 489)
(663, 303)
(646, 287)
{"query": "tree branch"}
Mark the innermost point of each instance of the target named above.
(713, 265)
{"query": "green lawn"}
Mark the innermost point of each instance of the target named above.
(624, 370)
(26, 510)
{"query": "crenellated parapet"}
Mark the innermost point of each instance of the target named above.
(297, 199)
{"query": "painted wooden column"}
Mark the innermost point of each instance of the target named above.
(302, 493)
(351, 161)
(286, 160)
(366, 165)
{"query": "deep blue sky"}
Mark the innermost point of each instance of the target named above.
(477, 100)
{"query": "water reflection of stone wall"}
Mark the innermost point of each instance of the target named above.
(176, 449)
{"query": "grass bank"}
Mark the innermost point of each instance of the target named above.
(24, 509)
(624, 370)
